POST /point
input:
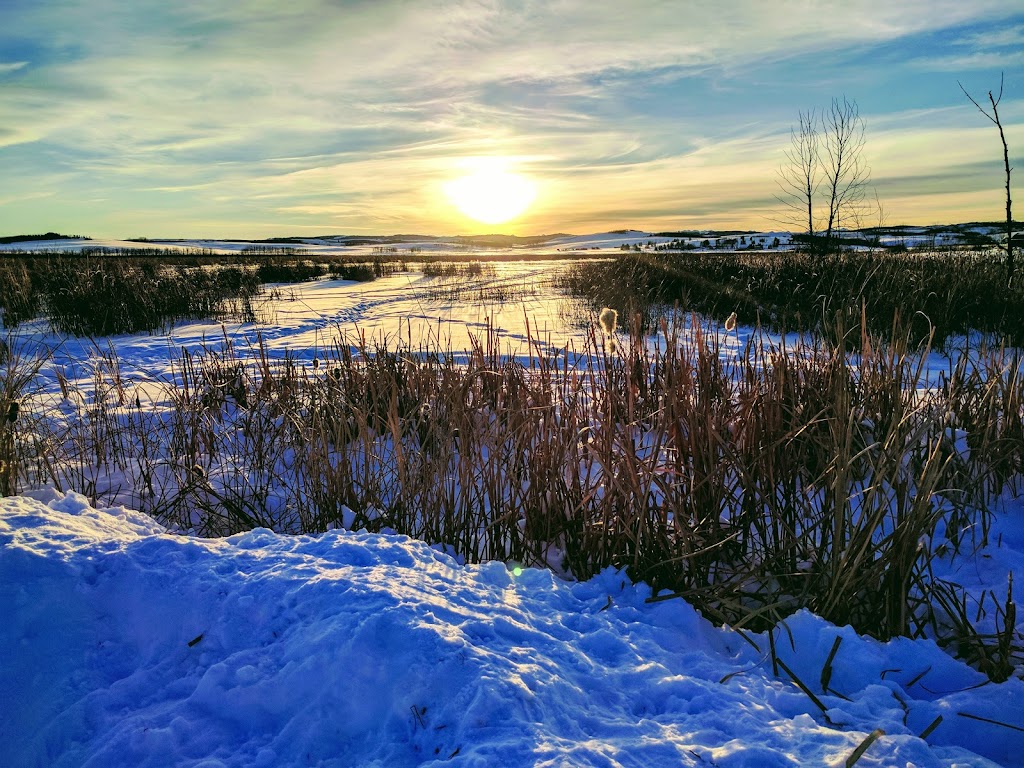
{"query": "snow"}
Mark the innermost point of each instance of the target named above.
(553, 246)
(127, 646)
(370, 246)
(408, 309)
(303, 319)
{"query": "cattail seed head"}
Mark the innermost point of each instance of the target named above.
(730, 323)
(12, 412)
(608, 319)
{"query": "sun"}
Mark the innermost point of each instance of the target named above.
(490, 194)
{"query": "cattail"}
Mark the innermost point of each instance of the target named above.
(316, 363)
(12, 412)
(730, 323)
(608, 319)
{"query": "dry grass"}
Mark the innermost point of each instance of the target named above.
(99, 293)
(786, 477)
(936, 293)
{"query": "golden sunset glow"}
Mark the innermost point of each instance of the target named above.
(530, 118)
(491, 194)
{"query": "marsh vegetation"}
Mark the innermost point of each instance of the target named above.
(104, 292)
(947, 293)
(818, 470)
(788, 478)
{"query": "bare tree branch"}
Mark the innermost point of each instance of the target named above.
(994, 118)
(798, 179)
(845, 172)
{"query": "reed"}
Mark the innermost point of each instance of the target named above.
(20, 445)
(101, 293)
(937, 294)
(789, 476)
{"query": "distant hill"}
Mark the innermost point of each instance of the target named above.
(504, 241)
(480, 241)
(977, 233)
(707, 233)
(47, 236)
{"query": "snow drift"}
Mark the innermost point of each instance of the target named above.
(125, 645)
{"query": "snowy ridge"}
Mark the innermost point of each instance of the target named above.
(127, 646)
(398, 246)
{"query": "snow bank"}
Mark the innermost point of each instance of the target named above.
(126, 646)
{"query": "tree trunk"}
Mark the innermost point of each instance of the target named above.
(1009, 214)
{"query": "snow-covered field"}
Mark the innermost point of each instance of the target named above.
(125, 645)
(554, 245)
(407, 309)
(369, 246)
(303, 319)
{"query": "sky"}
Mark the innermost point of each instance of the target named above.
(256, 118)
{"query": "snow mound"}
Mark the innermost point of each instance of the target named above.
(124, 645)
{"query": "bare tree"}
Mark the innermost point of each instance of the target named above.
(994, 117)
(798, 179)
(846, 175)
(824, 181)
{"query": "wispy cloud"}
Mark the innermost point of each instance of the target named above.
(978, 60)
(998, 48)
(272, 115)
(1007, 37)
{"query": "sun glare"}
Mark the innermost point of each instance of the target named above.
(490, 194)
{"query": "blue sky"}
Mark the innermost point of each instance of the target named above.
(256, 118)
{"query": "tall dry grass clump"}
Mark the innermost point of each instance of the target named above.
(100, 292)
(937, 293)
(786, 476)
(19, 436)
